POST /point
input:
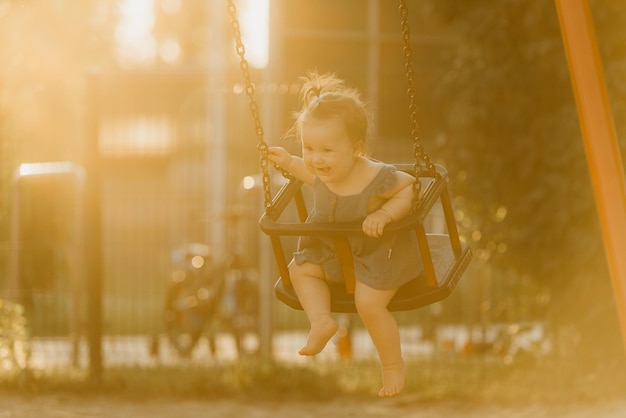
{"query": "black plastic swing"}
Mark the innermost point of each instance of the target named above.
(445, 257)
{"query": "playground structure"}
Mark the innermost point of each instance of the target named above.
(603, 156)
(601, 146)
(444, 256)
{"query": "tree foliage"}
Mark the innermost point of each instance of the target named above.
(518, 148)
(519, 157)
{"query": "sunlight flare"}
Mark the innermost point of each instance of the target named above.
(133, 35)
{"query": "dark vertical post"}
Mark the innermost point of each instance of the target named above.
(93, 229)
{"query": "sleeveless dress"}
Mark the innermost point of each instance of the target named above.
(386, 262)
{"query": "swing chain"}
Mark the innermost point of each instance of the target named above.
(262, 146)
(418, 149)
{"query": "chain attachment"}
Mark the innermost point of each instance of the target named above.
(262, 146)
(418, 149)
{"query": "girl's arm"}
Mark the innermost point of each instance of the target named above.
(398, 204)
(290, 163)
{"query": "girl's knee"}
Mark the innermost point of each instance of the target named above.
(370, 305)
(305, 269)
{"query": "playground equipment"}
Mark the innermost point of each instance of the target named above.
(600, 138)
(444, 256)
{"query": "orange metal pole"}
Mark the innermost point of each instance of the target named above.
(601, 146)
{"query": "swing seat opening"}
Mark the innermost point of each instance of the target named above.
(444, 256)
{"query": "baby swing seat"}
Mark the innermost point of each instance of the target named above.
(444, 256)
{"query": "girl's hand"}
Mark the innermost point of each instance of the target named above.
(374, 223)
(280, 157)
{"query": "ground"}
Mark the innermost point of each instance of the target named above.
(72, 406)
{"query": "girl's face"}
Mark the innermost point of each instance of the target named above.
(327, 150)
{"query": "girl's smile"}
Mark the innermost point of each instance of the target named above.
(327, 150)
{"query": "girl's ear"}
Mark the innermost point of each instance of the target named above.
(358, 148)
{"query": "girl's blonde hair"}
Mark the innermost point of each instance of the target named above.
(325, 96)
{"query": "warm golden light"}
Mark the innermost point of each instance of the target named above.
(171, 6)
(133, 35)
(197, 261)
(169, 50)
(140, 135)
(501, 213)
(57, 167)
(254, 16)
(248, 182)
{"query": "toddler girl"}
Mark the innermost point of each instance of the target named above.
(347, 186)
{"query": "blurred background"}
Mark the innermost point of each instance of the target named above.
(127, 150)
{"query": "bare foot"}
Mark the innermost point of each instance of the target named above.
(322, 330)
(393, 380)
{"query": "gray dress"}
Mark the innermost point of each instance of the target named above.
(381, 263)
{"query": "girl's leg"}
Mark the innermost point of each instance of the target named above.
(314, 295)
(383, 329)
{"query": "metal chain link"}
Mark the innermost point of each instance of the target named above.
(262, 146)
(418, 149)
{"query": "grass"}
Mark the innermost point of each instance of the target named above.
(454, 377)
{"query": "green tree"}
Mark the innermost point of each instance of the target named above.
(518, 155)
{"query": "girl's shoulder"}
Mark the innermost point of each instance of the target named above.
(375, 167)
(388, 179)
(379, 176)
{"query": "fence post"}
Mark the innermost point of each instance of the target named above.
(93, 229)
